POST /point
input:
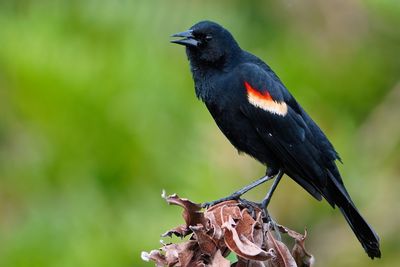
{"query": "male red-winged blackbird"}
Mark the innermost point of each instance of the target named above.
(259, 116)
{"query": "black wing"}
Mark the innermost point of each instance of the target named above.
(303, 150)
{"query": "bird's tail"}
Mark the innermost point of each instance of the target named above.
(364, 232)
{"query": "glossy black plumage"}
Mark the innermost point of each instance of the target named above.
(260, 117)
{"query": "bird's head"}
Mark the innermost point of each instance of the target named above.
(207, 42)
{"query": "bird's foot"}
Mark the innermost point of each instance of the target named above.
(247, 203)
(253, 207)
(234, 196)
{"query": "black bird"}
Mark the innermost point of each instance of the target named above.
(260, 117)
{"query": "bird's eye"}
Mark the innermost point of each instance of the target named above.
(208, 37)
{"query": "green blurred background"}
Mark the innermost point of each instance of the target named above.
(98, 115)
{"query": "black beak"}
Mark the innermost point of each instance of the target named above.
(188, 39)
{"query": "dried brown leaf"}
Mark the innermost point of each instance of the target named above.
(219, 261)
(225, 203)
(300, 254)
(240, 263)
(244, 225)
(248, 263)
(226, 227)
(191, 214)
(198, 263)
(181, 253)
(293, 234)
(155, 256)
(283, 257)
(222, 211)
(206, 243)
(213, 225)
(257, 232)
(180, 231)
(242, 246)
(217, 215)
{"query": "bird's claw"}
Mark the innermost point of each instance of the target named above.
(252, 207)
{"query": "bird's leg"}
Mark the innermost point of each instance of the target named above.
(236, 195)
(267, 198)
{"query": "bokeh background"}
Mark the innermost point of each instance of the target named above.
(98, 115)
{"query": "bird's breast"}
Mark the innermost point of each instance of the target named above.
(239, 131)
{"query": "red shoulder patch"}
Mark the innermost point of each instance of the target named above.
(255, 93)
(264, 101)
